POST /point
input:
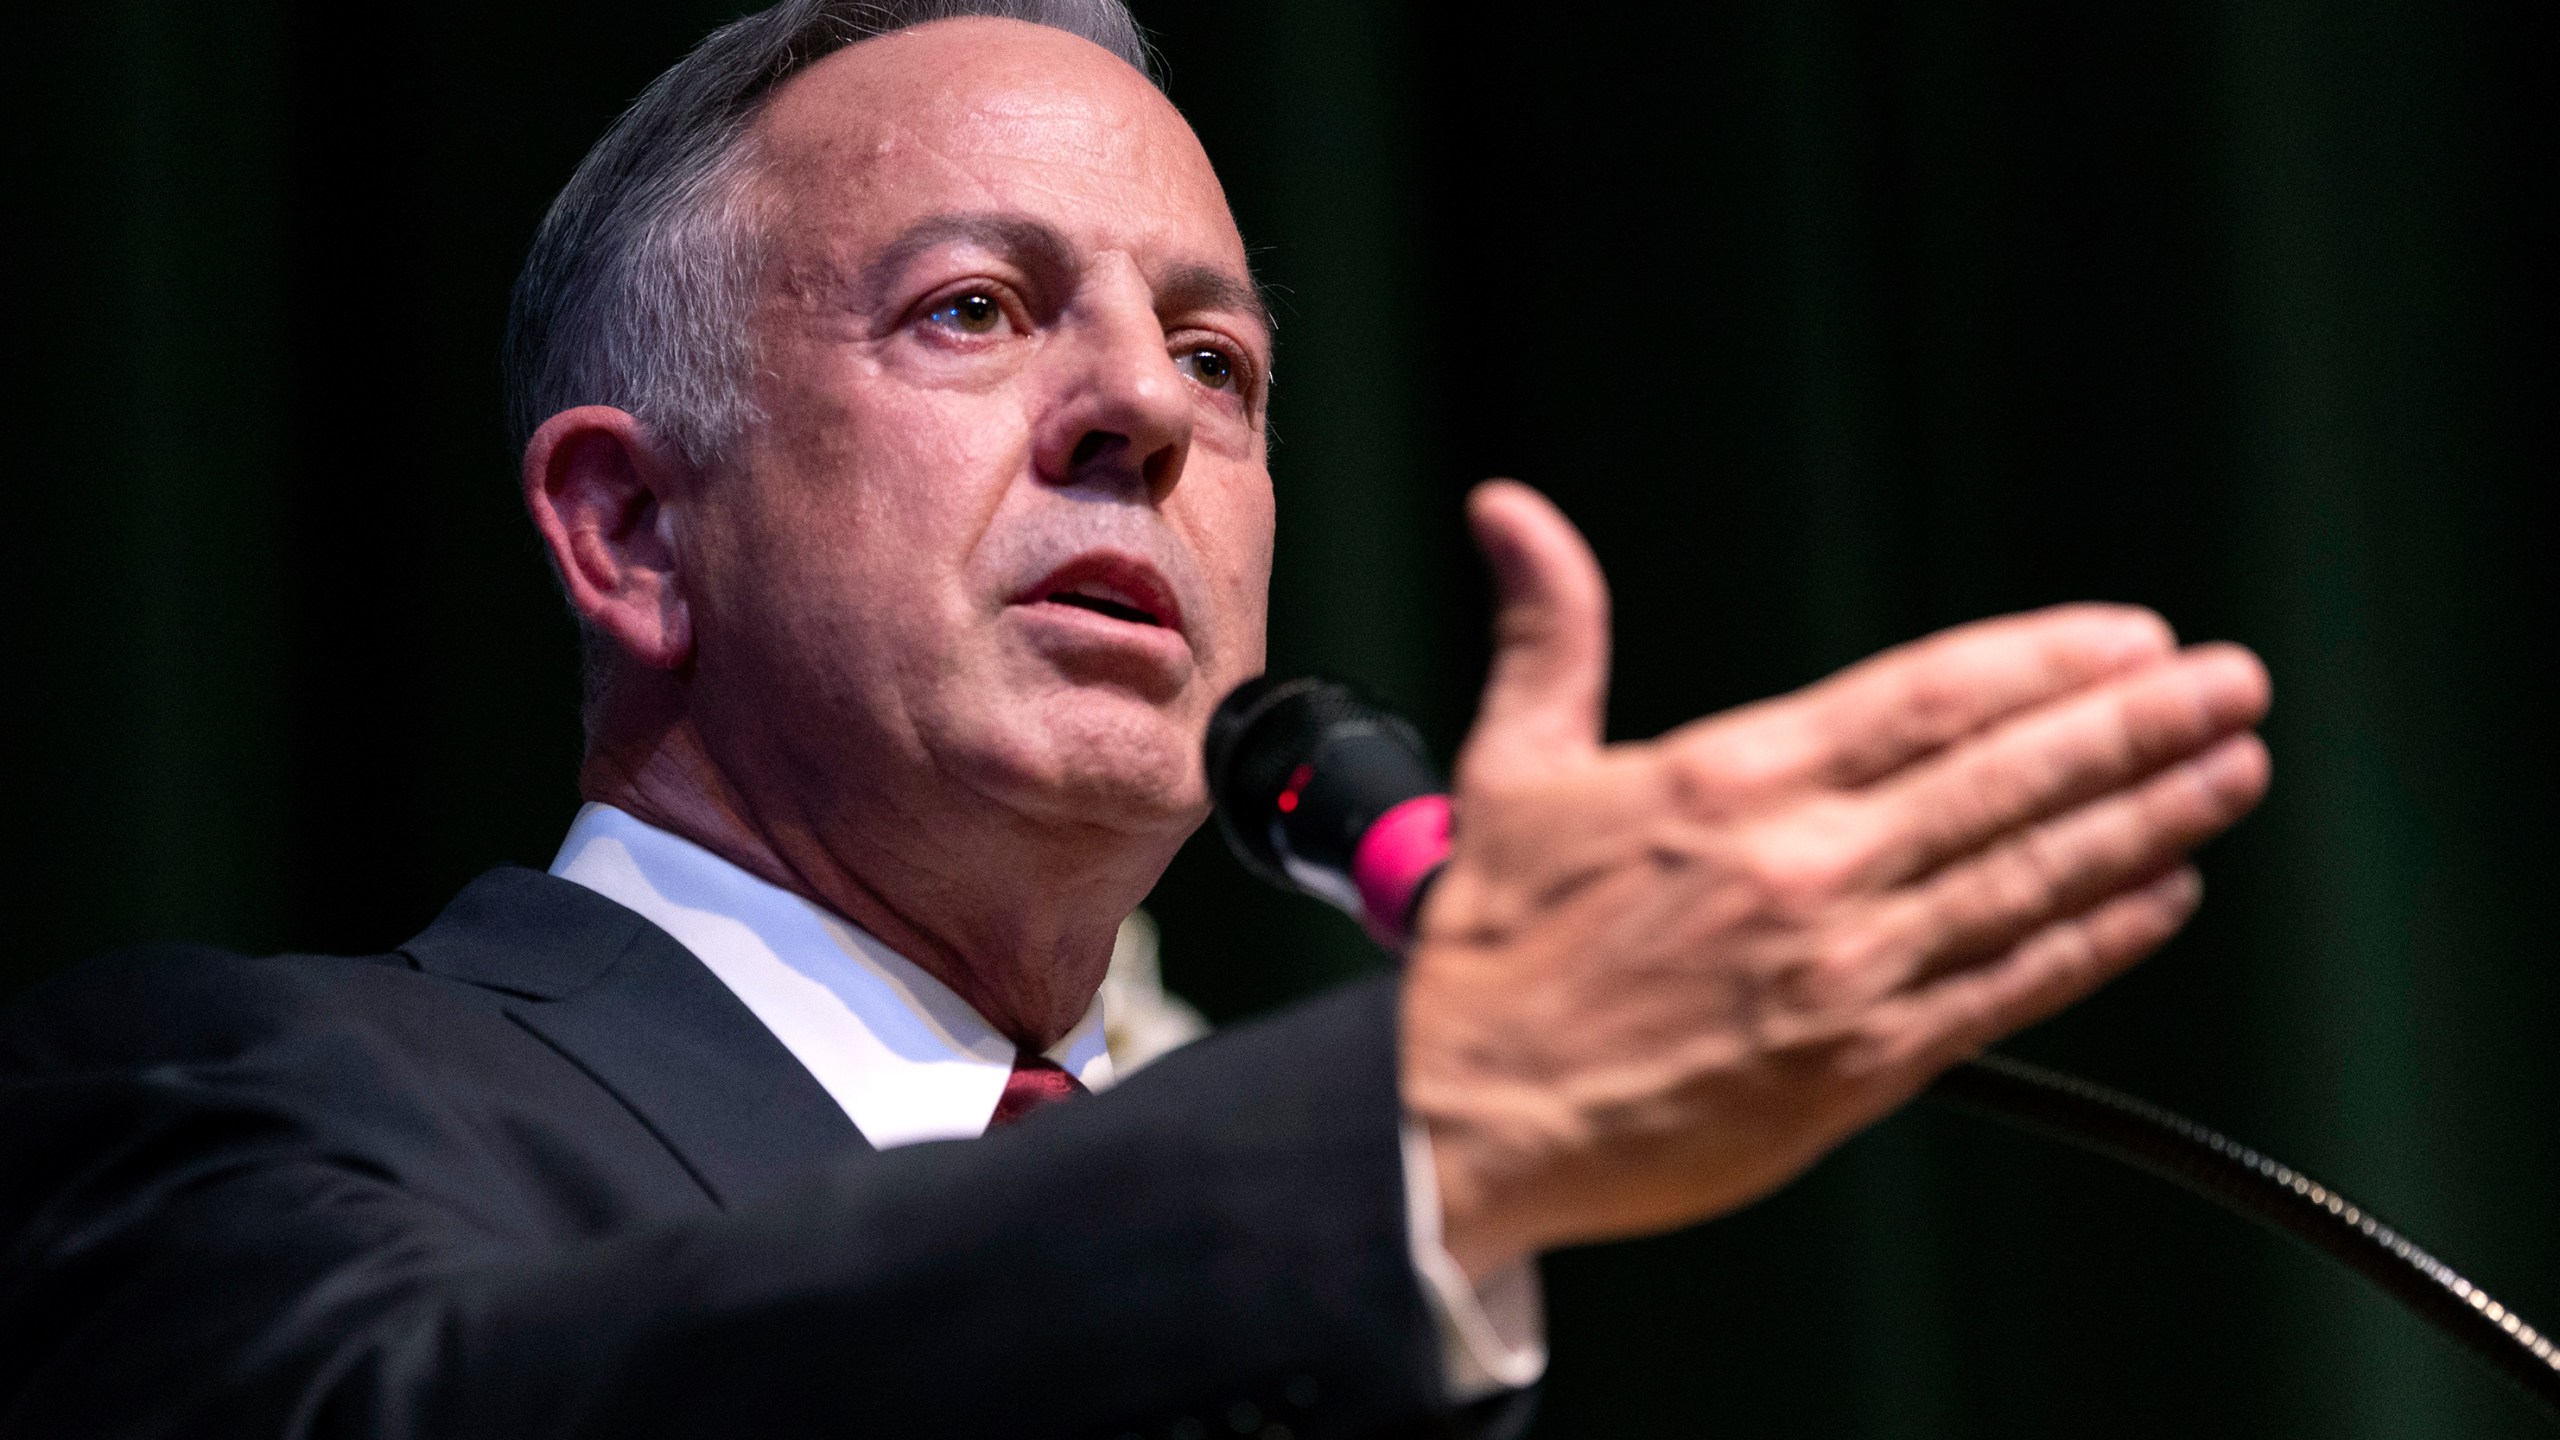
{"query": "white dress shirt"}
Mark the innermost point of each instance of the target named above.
(909, 1060)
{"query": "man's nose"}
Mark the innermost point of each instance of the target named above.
(1121, 416)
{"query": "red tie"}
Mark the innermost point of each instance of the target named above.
(1036, 1081)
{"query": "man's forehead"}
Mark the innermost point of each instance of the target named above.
(979, 116)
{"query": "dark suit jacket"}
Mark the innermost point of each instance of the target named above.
(539, 1173)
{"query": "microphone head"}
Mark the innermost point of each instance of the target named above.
(1319, 790)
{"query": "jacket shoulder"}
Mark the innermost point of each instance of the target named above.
(146, 1070)
(178, 1003)
(510, 932)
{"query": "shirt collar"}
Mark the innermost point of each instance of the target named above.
(906, 1057)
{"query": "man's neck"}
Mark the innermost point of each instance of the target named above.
(1018, 921)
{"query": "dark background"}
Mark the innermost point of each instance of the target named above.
(1831, 325)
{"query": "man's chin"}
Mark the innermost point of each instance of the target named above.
(1094, 755)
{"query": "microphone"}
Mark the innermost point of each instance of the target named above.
(1321, 791)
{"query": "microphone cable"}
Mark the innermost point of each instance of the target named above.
(1320, 791)
(2205, 1162)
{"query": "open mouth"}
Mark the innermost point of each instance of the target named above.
(1115, 587)
(1103, 605)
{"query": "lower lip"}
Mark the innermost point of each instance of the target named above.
(1080, 628)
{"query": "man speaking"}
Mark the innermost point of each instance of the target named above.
(892, 389)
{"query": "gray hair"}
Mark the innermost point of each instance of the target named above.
(638, 289)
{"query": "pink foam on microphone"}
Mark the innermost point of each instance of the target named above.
(1400, 851)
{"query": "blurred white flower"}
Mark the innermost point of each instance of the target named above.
(1140, 1021)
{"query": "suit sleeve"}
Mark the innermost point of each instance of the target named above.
(1218, 1246)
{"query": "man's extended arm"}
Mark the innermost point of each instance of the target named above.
(224, 1245)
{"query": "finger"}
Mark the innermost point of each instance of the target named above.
(1983, 906)
(2046, 760)
(1965, 1013)
(1882, 713)
(1550, 676)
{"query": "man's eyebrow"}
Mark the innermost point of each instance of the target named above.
(1206, 287)
(1036, 246)
(1039, 247)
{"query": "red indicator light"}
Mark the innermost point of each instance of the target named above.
(1298, 779)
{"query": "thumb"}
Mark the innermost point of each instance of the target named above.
(1550, 677)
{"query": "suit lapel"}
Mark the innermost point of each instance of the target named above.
(638, 1013)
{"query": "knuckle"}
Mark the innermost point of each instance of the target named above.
(1708, 775)
(2026, 878)
(1811, 983)
(1815, 1052)
(2008, 791)
(2065, 765)
(1998, 895)
(1851, 962)
(1798, 874)
(1794, 986)
(1832, 976)
(1819, 980)
(2174, 807)
(2155, 723)
(1696, 778)
(1996, 786)
(1888, 1042)
(1933, 698)
(2062, 952)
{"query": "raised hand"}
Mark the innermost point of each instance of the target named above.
(1658, 980)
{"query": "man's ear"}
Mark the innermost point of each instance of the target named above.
(598, 485)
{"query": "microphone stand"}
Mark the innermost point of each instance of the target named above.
(2207, 1163)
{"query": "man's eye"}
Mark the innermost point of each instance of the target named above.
(1210, 367)
(973, 314)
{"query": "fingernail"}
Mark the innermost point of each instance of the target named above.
(2237, 683)
(2183, 887)
(2235, 764)
(2139, 635)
